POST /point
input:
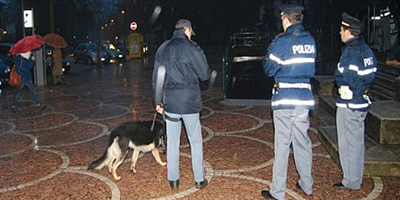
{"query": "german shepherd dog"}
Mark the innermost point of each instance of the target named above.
(142, 136)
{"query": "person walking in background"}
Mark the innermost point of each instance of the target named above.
(57, 66)
(354, 75)
(291, 61)
(185, 66)
(393, 14)
(24, 63)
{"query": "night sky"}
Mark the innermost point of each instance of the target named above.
(213, 20)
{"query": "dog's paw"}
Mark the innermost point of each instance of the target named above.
(133, 170)
(117, 178)
(163, 163)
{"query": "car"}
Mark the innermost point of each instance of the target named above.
(87, 52)
(5, 54)
(115, 54)
(67, 60)
(66, 65)
(4, 74)
(6, 62)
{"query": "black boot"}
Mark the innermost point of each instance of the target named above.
(174, 184)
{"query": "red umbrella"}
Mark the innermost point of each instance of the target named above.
(55, 40)
(26, 44)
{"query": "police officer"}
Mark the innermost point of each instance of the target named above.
(291, 61)
(185, 66)
(354, 75)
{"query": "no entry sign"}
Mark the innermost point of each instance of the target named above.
(133, 26)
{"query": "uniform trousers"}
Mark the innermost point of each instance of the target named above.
(291, 127)
(350, 130)
(193, 130)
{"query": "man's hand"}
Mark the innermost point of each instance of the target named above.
(160, 109)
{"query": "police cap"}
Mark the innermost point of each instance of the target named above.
(351, 22)
(291, 9)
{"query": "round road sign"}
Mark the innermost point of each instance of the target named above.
(133, 26)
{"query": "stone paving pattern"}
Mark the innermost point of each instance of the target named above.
(44, 155)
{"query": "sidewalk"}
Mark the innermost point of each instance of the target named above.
(45, 155)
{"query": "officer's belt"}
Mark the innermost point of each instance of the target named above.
(295, 85)
(172, 119)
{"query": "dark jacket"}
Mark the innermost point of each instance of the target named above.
(291, 60)
(185, 66)
(356, 69)
(26, 69)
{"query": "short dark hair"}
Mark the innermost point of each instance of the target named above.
(294, 18)
(354, 32)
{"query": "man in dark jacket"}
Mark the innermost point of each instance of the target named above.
(291, 61)
(24, 64)
(185, 65)
(354, 75)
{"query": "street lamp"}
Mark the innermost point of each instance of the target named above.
(122, 34)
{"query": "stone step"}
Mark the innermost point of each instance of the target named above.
(323, 85)
(327, 118)
(383, 122)
(384, 80)
(380, 160)
(393, 70)
(328, 104)
(385, 87)
(378, 93)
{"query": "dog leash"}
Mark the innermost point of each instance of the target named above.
(165, 117)
(154, 122)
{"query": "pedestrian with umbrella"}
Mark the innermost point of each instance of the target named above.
(57, 42)
(24, 63)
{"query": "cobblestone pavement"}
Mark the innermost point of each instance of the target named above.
(44, 155)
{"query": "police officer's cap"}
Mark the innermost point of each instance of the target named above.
(351, 22)
(184, 23)
(291, 9)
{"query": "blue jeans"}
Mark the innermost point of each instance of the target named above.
(31, 88)
(193, 128)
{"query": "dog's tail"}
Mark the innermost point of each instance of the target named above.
(107, 156)
(99, 163)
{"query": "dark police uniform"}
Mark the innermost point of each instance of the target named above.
(354, 75)
(291, 61)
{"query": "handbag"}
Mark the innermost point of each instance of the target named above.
(15, 78)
